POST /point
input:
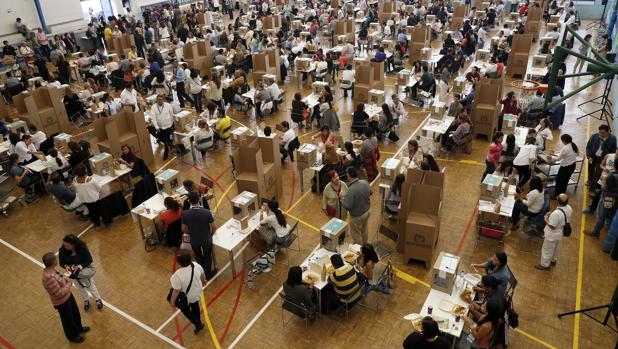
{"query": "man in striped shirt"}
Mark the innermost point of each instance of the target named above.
(59, 289)
(348, 284)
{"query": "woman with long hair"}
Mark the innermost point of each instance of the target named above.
(297, 291)
(273, 220)
(531, 204)
(172, 213)
(58, 162)
(331, 203)
(75, 257)
(509, 106)
(429, 163)
(511, 149)
(485, 329)
(568, 157)
(394, 195)
(330, 156)
(371, 266)
(215, 92)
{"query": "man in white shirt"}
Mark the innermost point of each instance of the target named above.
(128, 97)
(162, 118)
(25, 149)
(347, 80)
(554, 231)
(288, 136)
(181, 280)
(397, 108)
(37, 135)
(273, 89)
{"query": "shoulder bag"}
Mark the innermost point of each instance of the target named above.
(566, 230)
(181, 301)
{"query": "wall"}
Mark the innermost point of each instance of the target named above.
(9, 10)
(591, 10)
(62, 15)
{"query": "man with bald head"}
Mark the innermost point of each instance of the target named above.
(554, 231)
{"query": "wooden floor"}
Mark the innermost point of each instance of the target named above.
(135, 282)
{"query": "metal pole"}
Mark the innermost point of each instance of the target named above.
(572, 93)
(584, 42)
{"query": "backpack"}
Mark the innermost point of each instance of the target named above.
(566, 230)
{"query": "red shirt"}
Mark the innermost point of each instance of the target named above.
(494, 152)
(510, 108)
(58, 288)
(168, 217)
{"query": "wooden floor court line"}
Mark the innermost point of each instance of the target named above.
(107, 304)
(6, 344)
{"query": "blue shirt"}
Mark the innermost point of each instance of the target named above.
(154, 67)
(380, 56)
(180, 75)
(501, 274)
(402, 37)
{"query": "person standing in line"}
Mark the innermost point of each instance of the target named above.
(190, 279)
(599, 145)
(568, 157)
(59, 290)
(75, 257)
(357, 201)
(195, 87)
(554, 230)
(180, 78)
(199, 224)
(162, 118)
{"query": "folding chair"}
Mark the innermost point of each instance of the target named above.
(296, 309)
(293, 235)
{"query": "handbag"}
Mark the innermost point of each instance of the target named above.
(181, 301)
(566, 230)
(185, 243)
(392, 136)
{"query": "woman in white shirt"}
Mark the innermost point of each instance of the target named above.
(527, 154)
(531, 205)
(189, 278)
(38, 136)
(567, 156)
(163, 32)
(203, 137)
(272, 219)
(543, 130)
(57, 163)
(87, 190)
(195, 88)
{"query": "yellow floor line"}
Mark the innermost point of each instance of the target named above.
(409, 278)
(213, 335)
(224, 195)
(580, 261)
(298, 201)
(468, 162)
(311, 226)
(387, 152)
(540, 341)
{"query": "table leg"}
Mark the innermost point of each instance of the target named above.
(193, 153)
(302, 182)
(319, 302)
(141, 227)
(232, 263)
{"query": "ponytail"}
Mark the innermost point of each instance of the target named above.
(273, 205)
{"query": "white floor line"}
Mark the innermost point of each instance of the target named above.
(110, 306)
(165, 165)
(80, 234)
(227, 265)
(261, 312)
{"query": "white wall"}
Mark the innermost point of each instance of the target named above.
(62, 15)
(11, 9)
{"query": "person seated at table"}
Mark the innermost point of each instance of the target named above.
(391, 206)
(299, 292)
(239, 81)
(473, 75)
(497, 267)
(346, 282)
(331, 203)
(531, 204)
(38, 136)
(73, 105)
(325, 136)
(23, 177)
(510, 149)
(543, 131)
(172, 213)
(489, 284)
(458, 135)
(429, 163)
(210, 112)
(347, 80)
(387, 121)
(78, 154)
(88, 191)
(289, 141)
(329, 116)
(274, 228)
(263, 102)
(330, 156)
(484, 330)
(413, 154)
(26, 151)
(455, 108)
(508, 172)
(347, 55)
(223, 128)
(428, 338)
(57, 164)
(201, 189)
(204, 138)
(138, 166)
(359, 119)
(427, 83)
(109, 106)
(65, 196)
(373, 269)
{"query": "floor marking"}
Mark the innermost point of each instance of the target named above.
(464, 161)
(6, 343)
(311, 226)
(409, 278)
(213, 335)
(107, 304)
(234, 308)
(298, 201)
(580, 261)
(293, 173)
(540, 341)
(255, 318)
(85, 230)
(223, 172)
(387, 152)
(223, 196)
(165, 165)
(465, 233)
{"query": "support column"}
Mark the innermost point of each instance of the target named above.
(39, 11)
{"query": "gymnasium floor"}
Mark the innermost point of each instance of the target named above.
(134, 283)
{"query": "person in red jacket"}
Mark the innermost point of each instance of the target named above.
(59, 289)
(509, 106)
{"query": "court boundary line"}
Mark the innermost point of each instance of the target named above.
(5, 343)
(109, 305)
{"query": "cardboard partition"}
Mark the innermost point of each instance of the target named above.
(418, 252)
(421, 229)
(425, 199)
(361, 93)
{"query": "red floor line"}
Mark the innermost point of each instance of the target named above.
(293, 185)
(6, 343)
(465, 233)
(219, 294)
(224, 171)
(236, 302)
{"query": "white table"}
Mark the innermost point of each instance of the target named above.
(4, 147)
(250, 94)
(521, 133)
(438, 126)
(536, 72)
(39, 165)
(229, 236)
(150, 209)
(315, 257)
(312, 100)
(435, 297)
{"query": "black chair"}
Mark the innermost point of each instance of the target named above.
(173, 235)
(294, 144)
(297, 309)
(292, 236)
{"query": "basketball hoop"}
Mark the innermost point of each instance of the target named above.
(523, 89)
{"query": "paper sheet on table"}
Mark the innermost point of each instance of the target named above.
(448, 264)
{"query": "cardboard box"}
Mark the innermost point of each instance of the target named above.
(514, 16)
(302, 63)
(426, 53)
(319, 86)
(509, 123)
(376, 97)
(378, 75)
(445, 272)
(238, 134)
(539, 61)
(361, 93)
(421, 229)
(218, 70)
(482, 55)
(429, 19)
(183, 121)
(459, 84)
(244, 205)
(168, 181)
(554, 18)
(418, 252)
(391, 167)
(62, 140)
(438, 109)
(332, 234)
(490, 187)
(306, 155)
(360, 63)
(388, 45)
(102, 164)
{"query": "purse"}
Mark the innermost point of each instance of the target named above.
(185, 242)
(181, 301)
(566, 230)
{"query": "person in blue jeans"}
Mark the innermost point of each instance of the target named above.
(608, 206)
(612, 235)
(372, 268)
(611, 20)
